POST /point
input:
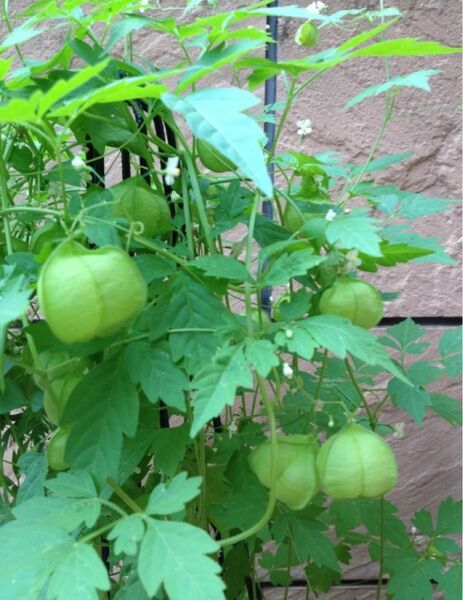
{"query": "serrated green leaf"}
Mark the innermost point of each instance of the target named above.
(340, 337)
(153, 367)
(14, 295)
(19, 35)
(449, 517)
(287, 266)
(411, 576)
(169, 447)
(299, 341)
(155, 266)
(216, 58)
(72, 484)
(124, 26)
(417, 79)
(423, 522)
(128, 532)
(260, 354)
(215, 115)
(61, 513)
(397, 234)
(215, 385)
(171, 498)
(423, 373)
(447, 408)
(412, 399)
(223, 267)
(24, 568)
(174, 554)
(79, 572)
(405, 47)
(35, 467)
(355, 230)
(381, 163)
(450, 345)
(392, 255)
(450, 583)
(189, 306)
(103, 406)
(406, 332)
(310, 541)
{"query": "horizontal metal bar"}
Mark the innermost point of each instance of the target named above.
(425, 321)
(301, 583)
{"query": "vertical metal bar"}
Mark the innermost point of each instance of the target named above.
(269, 127)
(125, 158)
(96, 162)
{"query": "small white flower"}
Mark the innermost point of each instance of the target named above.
(331, 422)
(143, 4)
(289, 333)
(78, 163)
(271, 298)
(171, 171)
(232, 428)
(399, 430)
(287, 371)
(330, 215)
(352, 261)
(305, 127)
(316, 7)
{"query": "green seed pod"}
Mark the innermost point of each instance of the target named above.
(57, 448)
(212, 159)
(296, 474)
(89, 293)
(307, 35)
(136, 203)
(353, 299)
(356, 463)
(62, 389)
(276, 313)
(47, 234)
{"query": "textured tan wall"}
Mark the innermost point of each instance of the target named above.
(430, 126)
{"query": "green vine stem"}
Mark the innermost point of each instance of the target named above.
(371, 416)
(381, 550)
(123, 496)
(249, 247)
(234, 539)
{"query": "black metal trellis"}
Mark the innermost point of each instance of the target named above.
(165, 133)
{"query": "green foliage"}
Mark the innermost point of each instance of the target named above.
(159, 500)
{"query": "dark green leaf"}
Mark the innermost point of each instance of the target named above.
(34, 466)
(102, 407)
(173, 497)
(174, 554)
(215, 385)
(411, 399)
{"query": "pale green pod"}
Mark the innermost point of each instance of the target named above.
(353, 299)
(356, 463)
(57, 448)
(138, 204)
(212, 159)
(296, 474)
(89, 293)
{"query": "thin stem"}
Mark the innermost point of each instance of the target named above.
(247, 285)
(321, 377)
(386, 118)
(273, 460)
(123, 496)
(371, 417)
(284, 116)
(381, 550)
